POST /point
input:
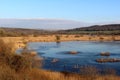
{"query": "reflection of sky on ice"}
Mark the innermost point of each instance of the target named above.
(88, 52)
(51, 48)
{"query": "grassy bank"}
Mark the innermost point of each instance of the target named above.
(19, 41)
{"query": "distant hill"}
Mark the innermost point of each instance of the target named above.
(110, 27)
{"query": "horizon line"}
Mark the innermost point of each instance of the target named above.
(60, 19)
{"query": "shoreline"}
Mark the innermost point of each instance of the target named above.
(20, 42)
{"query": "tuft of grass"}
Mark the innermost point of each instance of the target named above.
(6, 73)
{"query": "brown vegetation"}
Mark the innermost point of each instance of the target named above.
(73, 52)
(104, 60)
(21, 41)
(105, 53)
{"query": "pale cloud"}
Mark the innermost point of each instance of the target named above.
(49, 24)
(42, 23)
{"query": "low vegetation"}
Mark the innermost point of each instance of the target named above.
(17, 32)
(105, 53)
(111, 60)
(57, 38)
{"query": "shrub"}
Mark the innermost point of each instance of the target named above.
(76, 36)
(57, 38)
(20, 63)
(6, 73)
(6, 47)
(14, 61)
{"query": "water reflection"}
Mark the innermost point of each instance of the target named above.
(58, 44)
(88, 53)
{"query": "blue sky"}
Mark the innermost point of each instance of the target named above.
(79, 10)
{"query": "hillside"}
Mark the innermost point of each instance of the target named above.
(95, 29)
(22, 32)
(110, 27)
